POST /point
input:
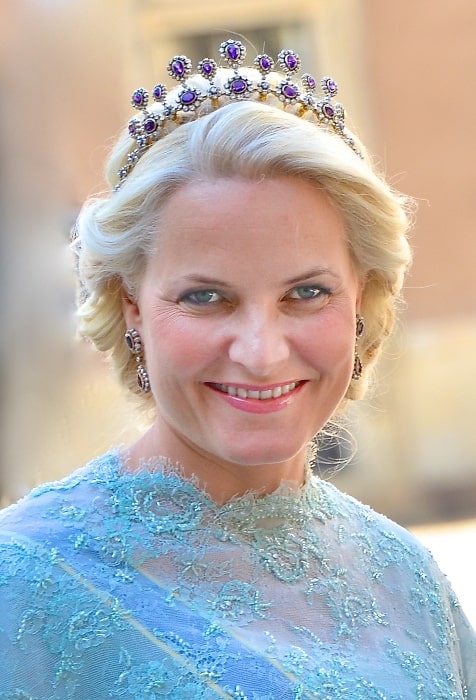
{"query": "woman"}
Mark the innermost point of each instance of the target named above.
(243, 275)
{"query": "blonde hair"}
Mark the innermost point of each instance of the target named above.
(249, 139)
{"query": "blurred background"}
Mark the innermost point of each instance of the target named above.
(406, 75)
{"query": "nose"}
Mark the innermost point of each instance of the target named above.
(259, 342)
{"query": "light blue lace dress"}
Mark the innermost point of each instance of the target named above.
(115, 585)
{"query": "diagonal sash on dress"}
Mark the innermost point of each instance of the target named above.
(243, 671)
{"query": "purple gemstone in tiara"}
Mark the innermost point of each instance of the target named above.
(329, 86)
(207, 68)
(188, 97)
(179, 67)
(233, 52)
(289, 61)
(147, 129)
(140, 98)
(133, 127)
(287, 92)
(264, 63)
(238, 86)
(328, 110)
(290, 91)
(309, 82)
(150, 125)
(159, 92)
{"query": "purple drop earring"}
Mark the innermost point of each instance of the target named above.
(134, 343)
(359, 331)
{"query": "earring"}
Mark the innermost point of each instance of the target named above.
(359, 331)
(134, 343)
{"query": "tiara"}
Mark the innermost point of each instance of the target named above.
(151, 127)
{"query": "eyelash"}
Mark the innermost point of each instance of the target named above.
(320, 292)
(192, 297)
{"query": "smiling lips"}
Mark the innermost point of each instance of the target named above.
(274, 392)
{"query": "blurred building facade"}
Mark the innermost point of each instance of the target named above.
(404, 71)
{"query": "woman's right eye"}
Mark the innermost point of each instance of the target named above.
(201, 297)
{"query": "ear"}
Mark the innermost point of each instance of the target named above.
(131, 311)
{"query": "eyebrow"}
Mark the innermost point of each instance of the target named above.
(309, 274)
(313, 272)
(203, 279)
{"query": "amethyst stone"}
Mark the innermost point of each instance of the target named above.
(178, 67)
(159, 92)
(188, 97)
(129, 341)
(291, 61)
(207, 68)
(238, 86)
(290, 91)
(139, 98)
(132, 128)
(331, 86)
(233, 52)
(360, 327)
(150, 125)
(328, 111)
(265, 63)
(309, 81)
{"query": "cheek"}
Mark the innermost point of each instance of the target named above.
(326, 343)
(181, 346)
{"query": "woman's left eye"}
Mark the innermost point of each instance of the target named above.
(307, 292)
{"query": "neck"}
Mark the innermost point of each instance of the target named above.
(220, 479)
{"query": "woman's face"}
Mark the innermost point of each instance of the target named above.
(247, 317)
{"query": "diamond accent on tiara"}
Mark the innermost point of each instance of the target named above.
(147, 129)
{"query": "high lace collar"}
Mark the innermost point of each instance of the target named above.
(160, 490)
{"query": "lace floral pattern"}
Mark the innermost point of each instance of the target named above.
(138, 586)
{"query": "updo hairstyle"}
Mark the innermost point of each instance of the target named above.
(248, 139)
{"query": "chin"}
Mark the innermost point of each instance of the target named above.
(261, 457)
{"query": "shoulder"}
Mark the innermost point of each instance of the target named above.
(39, 509)
(386, 539)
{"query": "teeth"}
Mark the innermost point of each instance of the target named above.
(255, 394)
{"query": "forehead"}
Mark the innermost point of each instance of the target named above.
(245, 222)
(236, 204)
